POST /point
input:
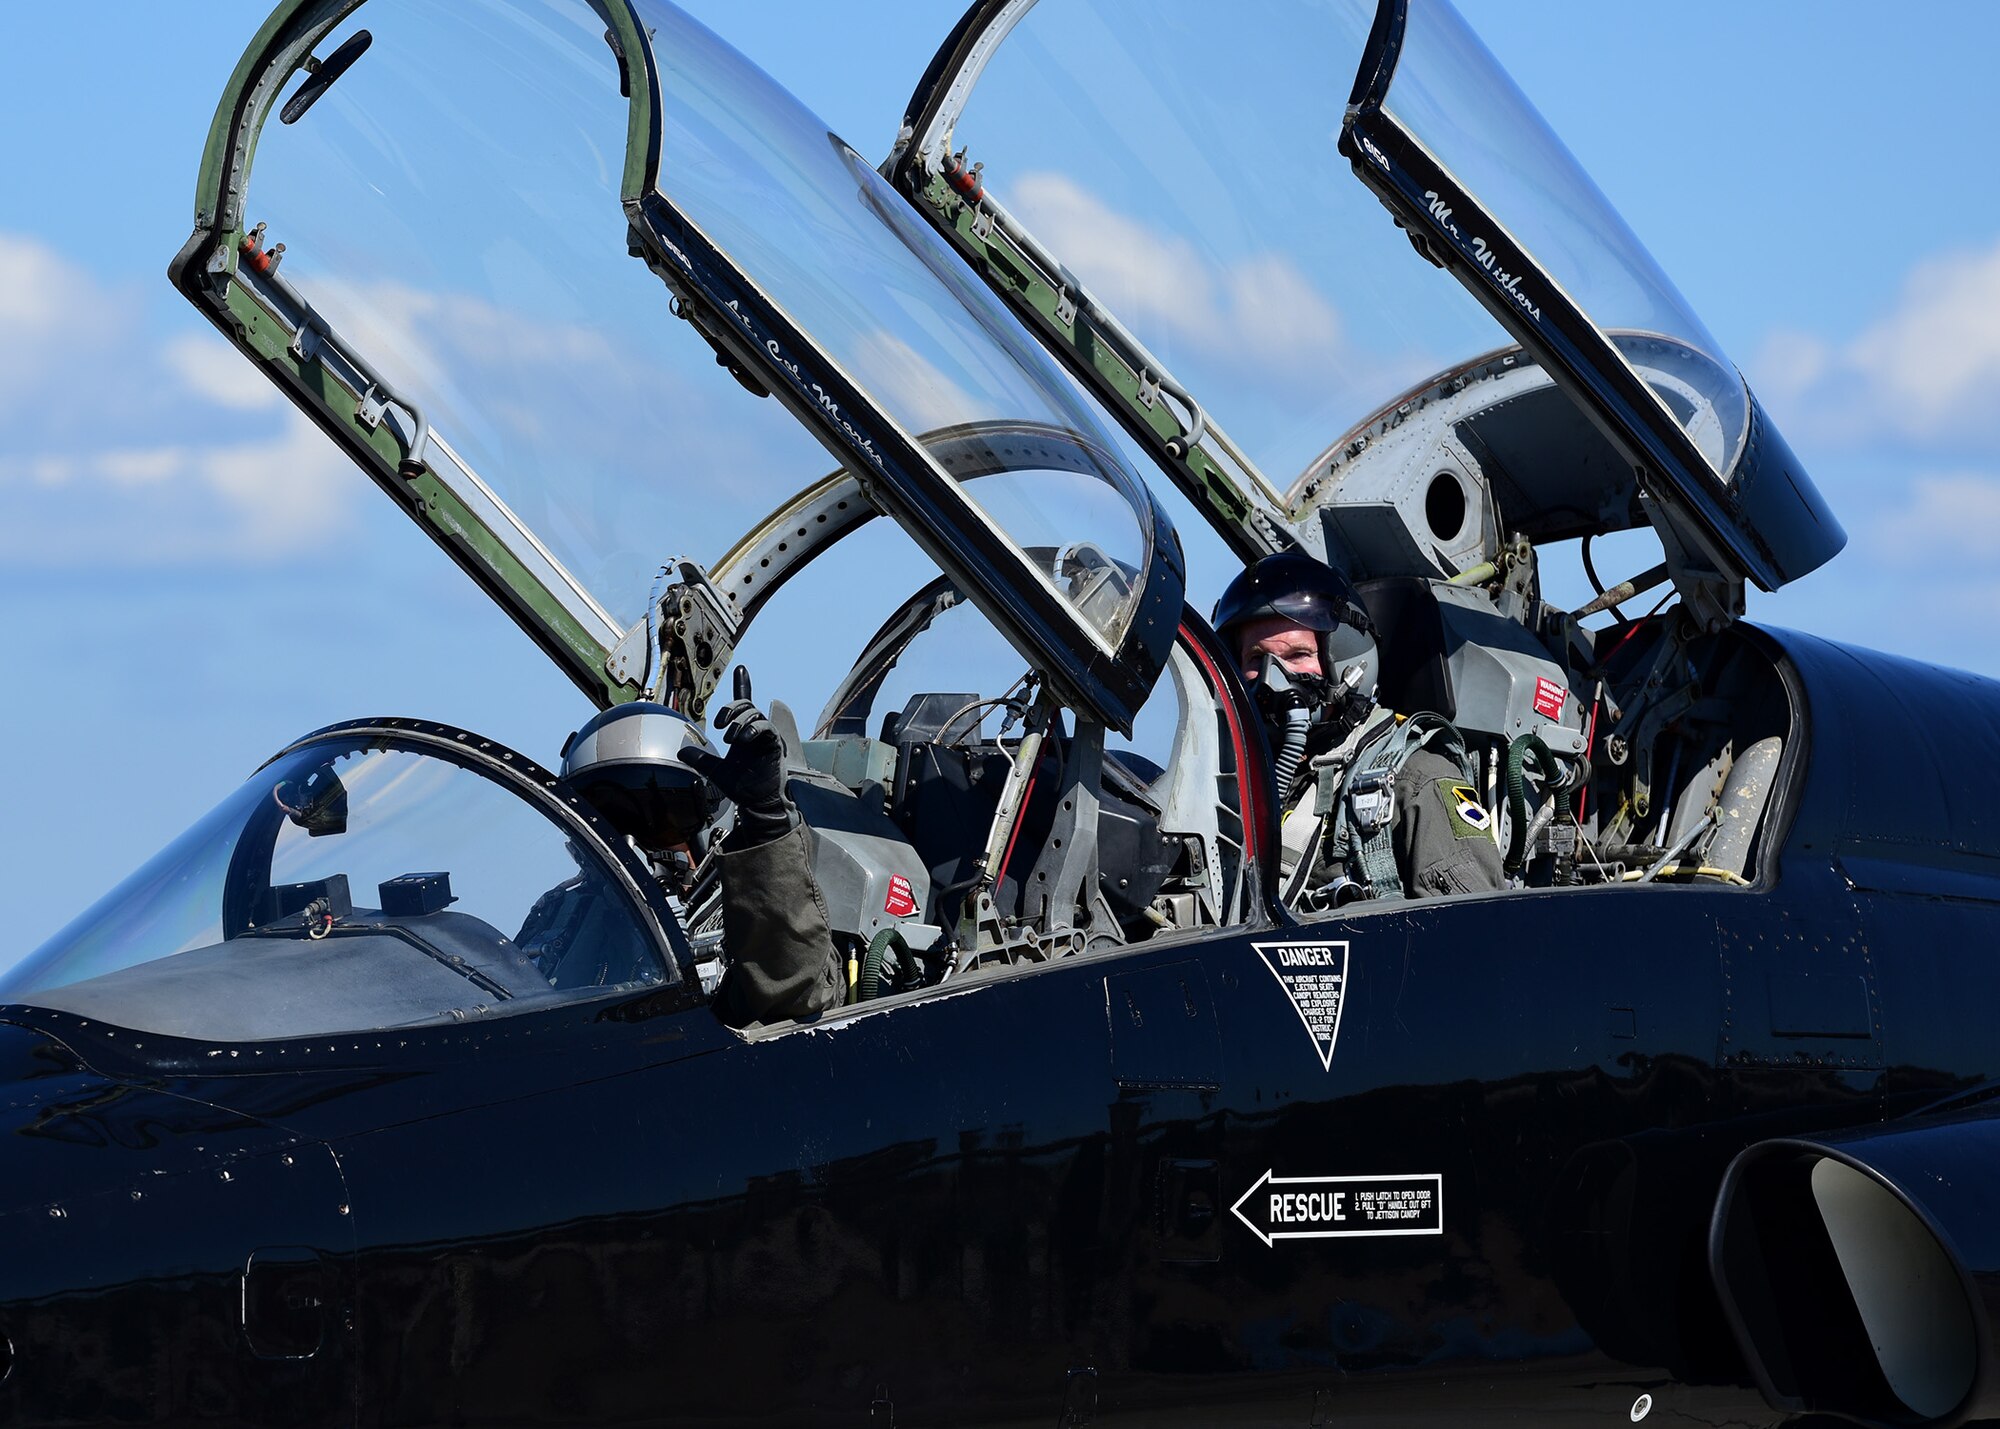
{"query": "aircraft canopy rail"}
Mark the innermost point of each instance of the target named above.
(429, 262)
(1149, 189)
(443, 259)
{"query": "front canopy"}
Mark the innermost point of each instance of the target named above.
(469, 198)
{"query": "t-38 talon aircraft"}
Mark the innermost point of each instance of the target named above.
(393, 1092)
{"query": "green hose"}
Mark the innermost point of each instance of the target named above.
(870, 985)
(1546, 769)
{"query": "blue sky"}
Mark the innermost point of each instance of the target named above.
(188, 579)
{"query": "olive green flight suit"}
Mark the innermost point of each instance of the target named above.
(774, 924)
(1442, 835)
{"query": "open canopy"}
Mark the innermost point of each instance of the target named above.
(1159, 191)
(498, 249)
(470, 198)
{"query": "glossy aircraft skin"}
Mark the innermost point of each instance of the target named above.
(1006, 1206)
(1047, 1196)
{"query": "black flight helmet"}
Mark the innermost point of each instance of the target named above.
(1293, 586)
(627, 762)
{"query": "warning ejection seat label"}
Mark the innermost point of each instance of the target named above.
(1314, 977)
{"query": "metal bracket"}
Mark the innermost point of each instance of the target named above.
(308, 340)
(1061, 896)
(697, 635)
(988, 940)
(368, 411)
(1708, 598)
(627, 661)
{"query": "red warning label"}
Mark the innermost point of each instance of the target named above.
(902, 900)
(1549, 698)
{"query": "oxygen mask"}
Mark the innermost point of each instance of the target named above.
(1306, 713)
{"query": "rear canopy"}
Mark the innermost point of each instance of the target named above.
(1169, 174)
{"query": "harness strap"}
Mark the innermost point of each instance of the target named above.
(1367, 807)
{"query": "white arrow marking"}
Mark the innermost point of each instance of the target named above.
(1436, 1182)
(1237, 1209)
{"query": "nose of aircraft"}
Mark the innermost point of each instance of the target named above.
(158, 1255)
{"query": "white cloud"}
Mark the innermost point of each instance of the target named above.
(1938, 353)
(211, 369)
(55, 319)
(288, 489)
(1942, 519)
(43, 293)
(47, 471)
(435, 342)
(1261, 310)
(909, 384)
(247, 502)
(1273, 307)
(124, 449)
(1924, 373)
(141, 466)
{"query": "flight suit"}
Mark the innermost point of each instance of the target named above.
(774, 923)
(1442, 835)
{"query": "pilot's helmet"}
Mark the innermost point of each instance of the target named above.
(627, 763)
(1291, 586)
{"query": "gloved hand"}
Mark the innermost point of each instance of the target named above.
(752, 776)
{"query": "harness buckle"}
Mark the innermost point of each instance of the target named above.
(1371, 800)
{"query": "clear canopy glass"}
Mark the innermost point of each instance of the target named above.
(352, 884)
(813, 225)
(452, 206)
(1181, 160)
(1454, 97)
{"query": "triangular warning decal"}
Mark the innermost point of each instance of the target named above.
(1314, 977)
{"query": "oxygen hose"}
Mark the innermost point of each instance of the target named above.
(1292, 751)
(870, 984)
(1518, 754)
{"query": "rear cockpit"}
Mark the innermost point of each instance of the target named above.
(1658, 731)
(1129, 178)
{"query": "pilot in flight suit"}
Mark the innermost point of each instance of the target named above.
(784, 963)
(648, 771)
(1307, 652)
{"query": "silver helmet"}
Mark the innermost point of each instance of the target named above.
(627, 762)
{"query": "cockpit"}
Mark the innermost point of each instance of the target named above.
(684, 383)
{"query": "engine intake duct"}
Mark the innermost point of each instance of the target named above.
(1859, 1271)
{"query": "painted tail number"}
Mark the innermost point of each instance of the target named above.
(1315, 1207)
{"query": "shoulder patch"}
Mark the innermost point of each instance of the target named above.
(1462, 810)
